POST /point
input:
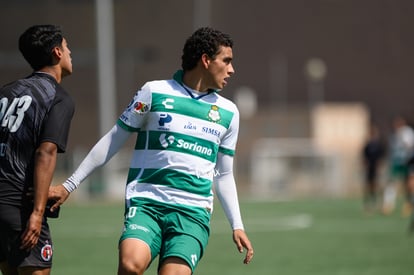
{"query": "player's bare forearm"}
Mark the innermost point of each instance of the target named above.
(45, 163)
(242, 242)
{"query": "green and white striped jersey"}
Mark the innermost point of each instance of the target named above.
(179, 137)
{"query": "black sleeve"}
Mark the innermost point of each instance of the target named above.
(57, 123)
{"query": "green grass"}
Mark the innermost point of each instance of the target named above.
(312, 237)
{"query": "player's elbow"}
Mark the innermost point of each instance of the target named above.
(46, 151)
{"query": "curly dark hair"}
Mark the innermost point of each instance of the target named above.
(37, 42)
(205, 40)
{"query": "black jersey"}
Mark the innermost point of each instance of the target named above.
(32, 110)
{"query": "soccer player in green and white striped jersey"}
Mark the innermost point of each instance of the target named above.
(186, 140)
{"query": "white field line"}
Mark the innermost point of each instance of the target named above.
(294, 222)
(271, 224)
(87, 231)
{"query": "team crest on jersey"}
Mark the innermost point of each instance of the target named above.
(46, 252)
(214, 114)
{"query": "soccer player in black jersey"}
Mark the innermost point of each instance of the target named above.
(35, 116)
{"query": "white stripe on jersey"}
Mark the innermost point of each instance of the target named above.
(167, 195)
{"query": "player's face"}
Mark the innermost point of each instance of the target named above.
(66, 60)
(220, 68)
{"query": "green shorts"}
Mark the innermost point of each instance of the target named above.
(169, 230)
(399, 172)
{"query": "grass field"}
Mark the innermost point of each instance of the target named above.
(312, 237)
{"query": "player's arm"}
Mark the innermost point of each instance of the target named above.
(98, 156)
(130, 121)
(225, 188)
(44, 167)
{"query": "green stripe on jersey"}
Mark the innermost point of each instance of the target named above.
(133, 174)
(178, 180)
(199, 109)
(141, 141)
(159, 140)
(126, 127)
(226, 151)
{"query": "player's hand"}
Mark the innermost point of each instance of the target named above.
(241, 241)
(59, 194)
(31, 234)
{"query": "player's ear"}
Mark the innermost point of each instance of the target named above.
(205, 60)
(57, 54)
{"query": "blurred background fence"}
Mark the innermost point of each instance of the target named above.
(310, 76)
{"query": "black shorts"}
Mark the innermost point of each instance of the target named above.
(12, 225)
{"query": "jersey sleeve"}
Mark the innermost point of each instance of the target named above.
(57, 123)
(99, 155)
(133, 117)
(229, 141)
(226, 190)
